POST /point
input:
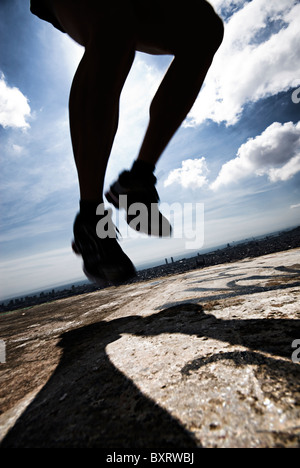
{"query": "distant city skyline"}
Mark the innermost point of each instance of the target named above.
(238, 152)
(261, 245)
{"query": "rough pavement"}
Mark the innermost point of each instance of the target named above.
(199, 359)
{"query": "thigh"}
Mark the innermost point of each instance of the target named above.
(85, 19)
(155, 26)
(167, 27)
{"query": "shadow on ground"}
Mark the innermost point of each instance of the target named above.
(89, 403)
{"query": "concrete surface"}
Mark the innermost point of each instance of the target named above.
(200, 359)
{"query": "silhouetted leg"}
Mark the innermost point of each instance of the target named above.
(94, 111)
(110, 33)
(171, 104)
(97, 85)
(194, 50)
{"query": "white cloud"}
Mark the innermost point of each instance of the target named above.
(259, 57)
(191, 174)
(285, 172)
(275, 153)
(14, 107)
(294, 207)
(17, 149)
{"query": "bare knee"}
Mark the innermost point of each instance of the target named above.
(205, 36)
(211, 32)
(216, 32)
(111, 58)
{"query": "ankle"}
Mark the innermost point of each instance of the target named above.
(88, 208)
(142, 168)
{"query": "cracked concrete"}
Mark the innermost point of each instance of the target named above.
(199, 359)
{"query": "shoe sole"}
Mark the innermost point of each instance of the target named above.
(111, 276)
(101, 282)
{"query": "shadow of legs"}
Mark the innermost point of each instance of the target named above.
(88, 403)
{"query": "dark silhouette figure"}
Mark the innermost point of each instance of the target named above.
(111, 32)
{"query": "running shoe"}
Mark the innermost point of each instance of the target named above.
(104, 262)
(139, 198)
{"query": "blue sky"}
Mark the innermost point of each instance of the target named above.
(237, 154)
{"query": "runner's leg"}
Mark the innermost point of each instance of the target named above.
(94, 112)
(96, 88)
(193, 36)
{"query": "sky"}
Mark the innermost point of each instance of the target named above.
(231, 172)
